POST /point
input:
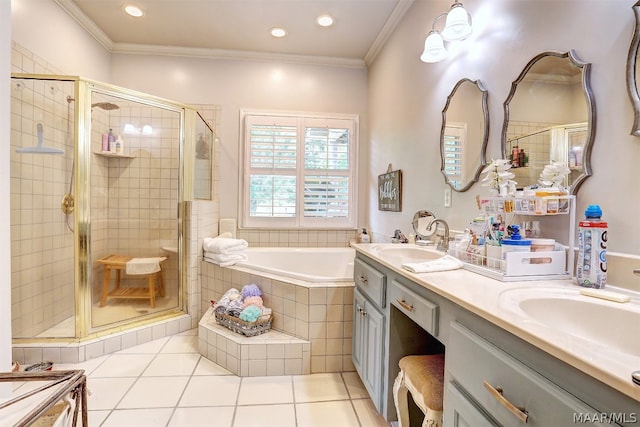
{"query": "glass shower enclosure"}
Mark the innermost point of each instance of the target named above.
(99, 177)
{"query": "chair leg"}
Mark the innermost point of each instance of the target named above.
(432, 418)
(400, 392)
(152, 290)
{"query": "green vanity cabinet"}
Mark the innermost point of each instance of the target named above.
(368, 345)
(408, 317)
(485, 384)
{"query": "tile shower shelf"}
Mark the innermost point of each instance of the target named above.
(109, 154)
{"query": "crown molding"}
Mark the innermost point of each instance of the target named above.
(74, 11)
(242, 55)
(139, 49)
(394, 19)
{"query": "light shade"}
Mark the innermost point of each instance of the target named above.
(458, 24)
(434, 50)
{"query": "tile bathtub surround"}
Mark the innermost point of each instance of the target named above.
(321, 315)
(165, 382)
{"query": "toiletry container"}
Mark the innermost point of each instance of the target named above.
(119, 145)
(542, 245)
(105, 142)
(364, 237)
(514, 244)
(111, 139)
(591, 268)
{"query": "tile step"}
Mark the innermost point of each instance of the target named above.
(271, 353)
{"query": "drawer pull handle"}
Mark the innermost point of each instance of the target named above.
(405, 304)
(362, 279)
(496, 392)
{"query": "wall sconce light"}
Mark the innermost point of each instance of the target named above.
(458, 24)
(457, 27)
(434, 50)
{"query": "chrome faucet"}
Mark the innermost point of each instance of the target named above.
(399, 237)
(443, 245)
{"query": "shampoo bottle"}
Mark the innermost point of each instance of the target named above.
(591, 268)
(111, 139)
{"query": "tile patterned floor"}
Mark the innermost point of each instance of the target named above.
(167, 383)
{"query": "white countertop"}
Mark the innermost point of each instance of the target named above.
(485, 297)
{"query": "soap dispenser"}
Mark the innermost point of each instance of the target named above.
(364, 237)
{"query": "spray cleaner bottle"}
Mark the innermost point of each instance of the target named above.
(591, 269)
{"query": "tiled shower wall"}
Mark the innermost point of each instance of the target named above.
(537, 148)
(134, 199)
(42, 267)
(203, 216)
(42, 286)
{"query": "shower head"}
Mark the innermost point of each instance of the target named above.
(105, 106)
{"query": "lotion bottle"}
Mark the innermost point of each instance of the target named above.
(119, 145)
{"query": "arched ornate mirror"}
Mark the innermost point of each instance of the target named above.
(464, 134)
(549, 115)
(632, 72)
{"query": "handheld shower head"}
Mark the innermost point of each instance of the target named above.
(108, 106)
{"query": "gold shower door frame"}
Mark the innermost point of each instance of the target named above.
(83, 269)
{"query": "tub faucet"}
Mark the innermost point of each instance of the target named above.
(443, 245)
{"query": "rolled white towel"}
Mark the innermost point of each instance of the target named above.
(223, 245)
(445, 263)
(225, 260)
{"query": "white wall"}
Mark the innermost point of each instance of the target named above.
(5, 241)
(406, 98)
(45, 29)
(245, 84)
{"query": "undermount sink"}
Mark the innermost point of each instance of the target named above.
(398, 254)
(610, 324)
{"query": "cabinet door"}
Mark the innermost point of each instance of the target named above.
(359, 332)
(368, 346)
(461, 412)
(373, 354)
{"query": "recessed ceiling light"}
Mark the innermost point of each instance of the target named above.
(133, 11)
(325, 20)
(278, 32)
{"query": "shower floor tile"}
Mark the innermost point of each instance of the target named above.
(165, 382)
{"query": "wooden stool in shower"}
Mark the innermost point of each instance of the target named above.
(423, 377)
(119, 263)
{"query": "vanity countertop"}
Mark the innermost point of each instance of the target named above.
(487, 298)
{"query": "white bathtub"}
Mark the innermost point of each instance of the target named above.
(311, 265)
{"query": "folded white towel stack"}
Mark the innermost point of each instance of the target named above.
(223, 245)
(445, 263)
(225, 260)
(144, 265)
(224, 250)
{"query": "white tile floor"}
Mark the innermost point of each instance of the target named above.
(167, 383)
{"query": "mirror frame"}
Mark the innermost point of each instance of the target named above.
(591, 106)
(632, 85)
(485, 138)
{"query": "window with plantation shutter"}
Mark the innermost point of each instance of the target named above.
(453, 153)
(299, 171)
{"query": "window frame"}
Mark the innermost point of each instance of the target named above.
(299, 221)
